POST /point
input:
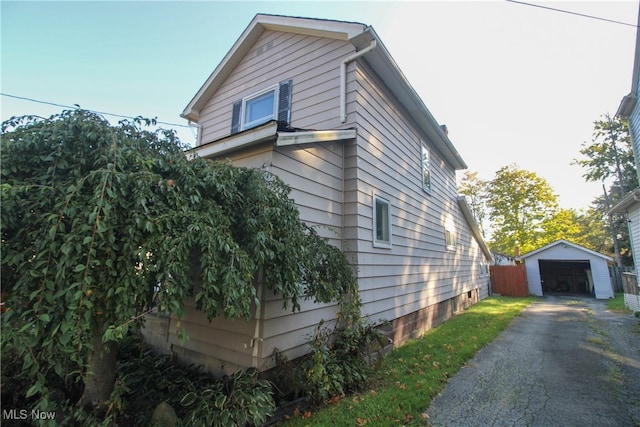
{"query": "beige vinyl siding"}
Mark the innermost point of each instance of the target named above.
(312, 63)
(418, 270)
(314, 172)
(223, 345)
(315, 175)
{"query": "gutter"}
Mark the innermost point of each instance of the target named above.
(343, 78)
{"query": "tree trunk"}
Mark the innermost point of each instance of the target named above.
(101, 371)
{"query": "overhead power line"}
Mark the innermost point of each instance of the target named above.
(93, 111)
(613, 21)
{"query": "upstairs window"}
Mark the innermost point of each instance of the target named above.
(259, 108)
(272, 103)
(381, 222)
(426, 169)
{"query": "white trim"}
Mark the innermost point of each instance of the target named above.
(567, 243)
(236, 141)
(309, 137)
(381, 243)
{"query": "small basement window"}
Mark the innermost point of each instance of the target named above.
(381, 222)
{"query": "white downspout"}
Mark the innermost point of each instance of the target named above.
(198, 135)
(343, 78)
(257, 339)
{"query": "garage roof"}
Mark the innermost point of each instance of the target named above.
(567, 243)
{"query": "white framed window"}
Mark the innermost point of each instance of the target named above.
(381, 222)
(425, 159)
(260, 107)
(271, 103)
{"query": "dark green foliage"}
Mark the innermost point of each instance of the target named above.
(338, 362)
(198, 398)
(100, 223)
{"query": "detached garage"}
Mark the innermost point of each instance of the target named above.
(566, 268)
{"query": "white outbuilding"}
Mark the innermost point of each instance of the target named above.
(563, 267)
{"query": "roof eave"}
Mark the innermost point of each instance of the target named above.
(564, 242)
(383, 63)
(626, 106)
(629, 200)
(215, 149)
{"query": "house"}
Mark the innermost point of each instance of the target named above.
(322, 105)
(630, 109)
(567, 268)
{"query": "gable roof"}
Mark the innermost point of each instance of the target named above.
(565, 242)
(360, 36)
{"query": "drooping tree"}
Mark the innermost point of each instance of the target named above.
(520, 202)
(101, 223)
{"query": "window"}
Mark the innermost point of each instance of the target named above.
(381, 222)
(272, 103)
(450, 238)
(426, 169)
(259, 108)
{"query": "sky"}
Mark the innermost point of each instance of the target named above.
(513, 83)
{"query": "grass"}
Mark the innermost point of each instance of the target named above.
(616, 304)
(412, 375)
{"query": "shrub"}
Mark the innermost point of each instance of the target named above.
(339, 358)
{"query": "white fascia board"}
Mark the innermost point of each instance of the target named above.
(236, 142)
(626, 106)
(631, 200)
(309, 137)
(568, 244)
(385, 66)
(339, 30)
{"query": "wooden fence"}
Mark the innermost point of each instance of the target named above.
(616, 276)
(509, 280)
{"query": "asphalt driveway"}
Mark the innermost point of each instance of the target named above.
(566, 361)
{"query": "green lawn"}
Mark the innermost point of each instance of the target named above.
(413, 374)
(617, 304)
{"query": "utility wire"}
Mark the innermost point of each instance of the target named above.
(77, 106)
(573, 13)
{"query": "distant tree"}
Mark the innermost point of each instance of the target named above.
(609, 156)
(609, 159)
(587, 229)
(102, 222)
(520, 203)
(475, 190)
